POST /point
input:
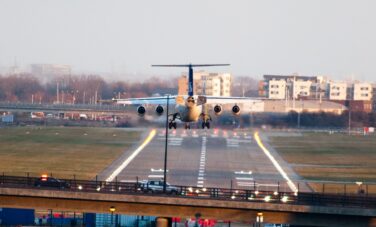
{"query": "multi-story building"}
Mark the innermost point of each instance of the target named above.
(302, 88)
(362, 91)
(277, 89)
(213, 84)
(290, 87)
(337, 90)
(50, 69)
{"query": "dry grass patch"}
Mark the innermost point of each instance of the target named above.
(62, 151)
(335, 157)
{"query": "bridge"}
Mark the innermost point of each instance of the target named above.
(64, 108)
(211, 203)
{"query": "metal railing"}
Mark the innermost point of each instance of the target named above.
(279, 197)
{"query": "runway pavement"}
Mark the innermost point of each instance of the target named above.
(209, 158)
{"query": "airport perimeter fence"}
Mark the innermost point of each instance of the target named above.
(137, 188)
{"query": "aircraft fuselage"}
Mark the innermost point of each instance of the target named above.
(189, 113)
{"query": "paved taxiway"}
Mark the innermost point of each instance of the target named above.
(208, 158)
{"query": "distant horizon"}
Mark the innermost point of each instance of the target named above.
(314, 37)
(134, 76)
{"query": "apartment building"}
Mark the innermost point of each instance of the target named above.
(289, 87)
(362, 91)
(205, 83)
(302, 88)
(337, 90)
(277, 89)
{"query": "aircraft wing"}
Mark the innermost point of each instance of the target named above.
(231, 100)
(161, 100)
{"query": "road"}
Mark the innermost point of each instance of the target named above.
(209, 158)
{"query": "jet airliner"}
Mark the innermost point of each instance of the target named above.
(188, 108)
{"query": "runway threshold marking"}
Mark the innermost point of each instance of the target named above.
(275, 163)
(132, 156)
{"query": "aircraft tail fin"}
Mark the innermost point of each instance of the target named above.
(190, 72)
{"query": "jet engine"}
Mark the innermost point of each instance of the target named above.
(217, 109)
(141, 110)
(236, 110)
(159, 110)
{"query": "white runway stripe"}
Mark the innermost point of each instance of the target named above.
(132, 156)
(200, 178)
(155, 176)
(244, 178)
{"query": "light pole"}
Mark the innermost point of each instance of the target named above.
(259, 219)
(112, 210)
(349, 121)
(360, 190)
(166, 144)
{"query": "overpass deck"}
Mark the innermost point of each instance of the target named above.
(214, 203)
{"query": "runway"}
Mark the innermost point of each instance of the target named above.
(209, 158)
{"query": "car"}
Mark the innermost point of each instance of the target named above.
(156, 186)
(51, 182)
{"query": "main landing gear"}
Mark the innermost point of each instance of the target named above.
(172, 122)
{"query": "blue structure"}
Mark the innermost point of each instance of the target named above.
(102, 220)
(10, 216)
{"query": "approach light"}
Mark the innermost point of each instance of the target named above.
(204, 189)
(275, 193)
(79, 187)
(256, 192)
(267, 198)
(190, 189)
(296, 193)
(98, 188)
(197, 191)
(233, 197)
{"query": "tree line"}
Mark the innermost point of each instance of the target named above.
(76, 89)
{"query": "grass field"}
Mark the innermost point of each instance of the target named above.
(63, 151)
(334, 157)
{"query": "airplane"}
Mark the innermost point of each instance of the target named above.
(188, 108)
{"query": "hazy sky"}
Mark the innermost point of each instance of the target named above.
(327, 37)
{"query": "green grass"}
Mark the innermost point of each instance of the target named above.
(336, 157)
(65, 152)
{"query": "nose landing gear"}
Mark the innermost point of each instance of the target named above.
(205, 121)
(205, 124)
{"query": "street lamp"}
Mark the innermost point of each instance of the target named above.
(112, 210)
(259, 218)
(166, 144)
(360, 190)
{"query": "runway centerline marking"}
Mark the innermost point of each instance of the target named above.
(200, 178)
(275, 163)
(132, 156)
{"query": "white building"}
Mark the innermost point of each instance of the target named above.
(337, 90)
(277, 89)
(302, 88)
(212, 84)
(362, 91)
